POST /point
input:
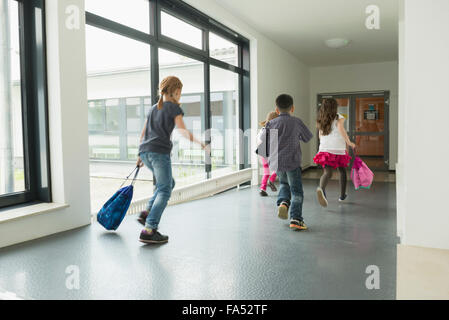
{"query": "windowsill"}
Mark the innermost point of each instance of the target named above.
(15, 213)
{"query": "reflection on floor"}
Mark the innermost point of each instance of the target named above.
(230, 246)
(379, 176)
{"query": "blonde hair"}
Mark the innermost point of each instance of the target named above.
(270, 116)
(167, 87)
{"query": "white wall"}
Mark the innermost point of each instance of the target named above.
(422, 185)
(68, 132)
(358, 77)
(273, 71)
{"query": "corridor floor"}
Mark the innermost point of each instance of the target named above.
(230, 246)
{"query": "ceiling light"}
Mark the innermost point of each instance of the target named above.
(337, 43)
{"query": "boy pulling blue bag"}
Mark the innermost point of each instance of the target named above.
(114, 211)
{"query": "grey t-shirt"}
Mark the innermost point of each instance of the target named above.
(160, 125)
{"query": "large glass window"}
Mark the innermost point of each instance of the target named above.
(132, 13)
(12, 178)
(224, 124)
(188, 158)
(23, 176)
(124, 70)
(119, 89)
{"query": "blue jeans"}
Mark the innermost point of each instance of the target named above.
(160, 165)
(291, 192)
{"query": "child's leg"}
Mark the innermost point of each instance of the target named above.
(325, 178)
(284, 196)
(284, 190)
(273, 176)
(266, 174)
(343, 181)
(161, 164)
(295, 182)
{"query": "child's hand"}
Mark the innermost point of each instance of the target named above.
(139, 163)
(352, 145)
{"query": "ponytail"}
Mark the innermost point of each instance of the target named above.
(160, 103)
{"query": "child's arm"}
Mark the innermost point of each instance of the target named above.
(305, 134)
(342, 130)
(179, 121)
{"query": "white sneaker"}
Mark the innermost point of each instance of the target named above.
(343, 199)
(321, 197)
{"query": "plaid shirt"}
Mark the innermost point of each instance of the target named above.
(284, 135)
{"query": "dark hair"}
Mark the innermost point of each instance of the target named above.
(327, 115)
(284, 102)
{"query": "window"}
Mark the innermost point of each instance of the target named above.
(124, 70)
(188, 159)
(12, 178)
(119, 83)
(132, 13)
(181, 31)
(24, 161)
(224, 112)
(223, 50)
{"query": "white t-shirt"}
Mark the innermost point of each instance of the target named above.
(334, 141)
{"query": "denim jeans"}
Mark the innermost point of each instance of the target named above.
(291, 192)
(160, 165)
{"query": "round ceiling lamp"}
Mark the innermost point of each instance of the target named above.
(337, 43)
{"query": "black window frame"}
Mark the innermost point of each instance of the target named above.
(157, 40)
(34, 106)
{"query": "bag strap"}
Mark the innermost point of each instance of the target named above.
(136, 170)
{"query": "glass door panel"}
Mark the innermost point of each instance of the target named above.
(369, 130)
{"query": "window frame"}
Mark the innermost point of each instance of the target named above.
(34, 100)
(157, 40)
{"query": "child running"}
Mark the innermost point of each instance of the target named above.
(267, 179)
(154, 152)
(332, 153)
(284, 156)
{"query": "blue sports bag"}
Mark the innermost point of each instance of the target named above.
(113, 212)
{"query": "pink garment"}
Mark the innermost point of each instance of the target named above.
(332, 160)
(361, 175)
(266, 174)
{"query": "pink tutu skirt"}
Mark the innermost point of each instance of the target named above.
(332, 160)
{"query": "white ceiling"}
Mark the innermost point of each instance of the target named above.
(302, 26)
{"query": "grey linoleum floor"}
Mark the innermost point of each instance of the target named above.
(230, 246)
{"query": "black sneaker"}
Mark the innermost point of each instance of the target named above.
(342, 199)
(297, 225)
(272, 186)
(143, 217)
(263, 193)
(152, 237)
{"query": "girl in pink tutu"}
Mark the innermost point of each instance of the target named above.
(268, 179)
(333, 153)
